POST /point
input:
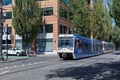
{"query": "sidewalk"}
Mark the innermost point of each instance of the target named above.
(15, 58)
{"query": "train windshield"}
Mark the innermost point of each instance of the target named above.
(65, 42)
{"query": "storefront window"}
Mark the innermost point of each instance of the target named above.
(19, 44)
(44, 45)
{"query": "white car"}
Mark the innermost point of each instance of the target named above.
(14, 51)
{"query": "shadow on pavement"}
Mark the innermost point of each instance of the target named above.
(116, 53)
(99, 71)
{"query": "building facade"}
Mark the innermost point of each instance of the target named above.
(55, 21)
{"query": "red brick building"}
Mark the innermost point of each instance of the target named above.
(55, 22)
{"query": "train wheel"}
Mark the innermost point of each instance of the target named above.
(64, 56)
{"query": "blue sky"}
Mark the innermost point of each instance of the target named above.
(105, 2)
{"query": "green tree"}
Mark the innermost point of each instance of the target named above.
(102, 21)
(115, 36)
(27, 19)
(79, 13)
(115, 11)
(90, 19)
(115, 14)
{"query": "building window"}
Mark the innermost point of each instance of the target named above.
(8, 15)
(9, 30)
(63, 29)
(49, 28)
(64, 1)
(41, 29)
(63, 13)
(47, 11)
(7, 2)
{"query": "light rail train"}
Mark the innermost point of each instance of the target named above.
(73, 46)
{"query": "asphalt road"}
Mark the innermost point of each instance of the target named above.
(102, 67)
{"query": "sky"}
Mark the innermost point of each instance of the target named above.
(105, 2)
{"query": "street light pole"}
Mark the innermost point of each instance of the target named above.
(1, 28)
(5, 30)
(7, 42)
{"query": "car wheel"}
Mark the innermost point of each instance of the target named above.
(18, 54)
(5, 53)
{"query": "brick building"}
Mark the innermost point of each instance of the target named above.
(55, 22)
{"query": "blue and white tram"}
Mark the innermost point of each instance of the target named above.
(72, 46)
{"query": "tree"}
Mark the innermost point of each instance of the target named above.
(102, 21)
(27, 19)
(115, 36)
(90, 19)
(115, 14)
(78, 10)
(115, 11)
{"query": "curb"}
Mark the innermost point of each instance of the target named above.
(46, 55)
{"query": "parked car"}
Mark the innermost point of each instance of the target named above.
(14, 51)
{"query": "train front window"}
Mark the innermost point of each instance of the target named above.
(65, 42)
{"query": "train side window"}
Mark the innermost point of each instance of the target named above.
(105, 47)
(78, 44)
(75, 43)
(86, 47)
(99, 46)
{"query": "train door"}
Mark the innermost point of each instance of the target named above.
(87, 48)
(78, 48)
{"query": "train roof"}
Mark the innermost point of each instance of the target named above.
(66, 35)
(81, 37)
(76, 36)
(107, 42)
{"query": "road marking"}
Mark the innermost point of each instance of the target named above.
(29, 63)
(22, 65)
(4, 72)
(36, 63)
(15, 66)
(6, 67)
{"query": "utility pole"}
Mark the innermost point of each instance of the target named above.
(1, 28)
